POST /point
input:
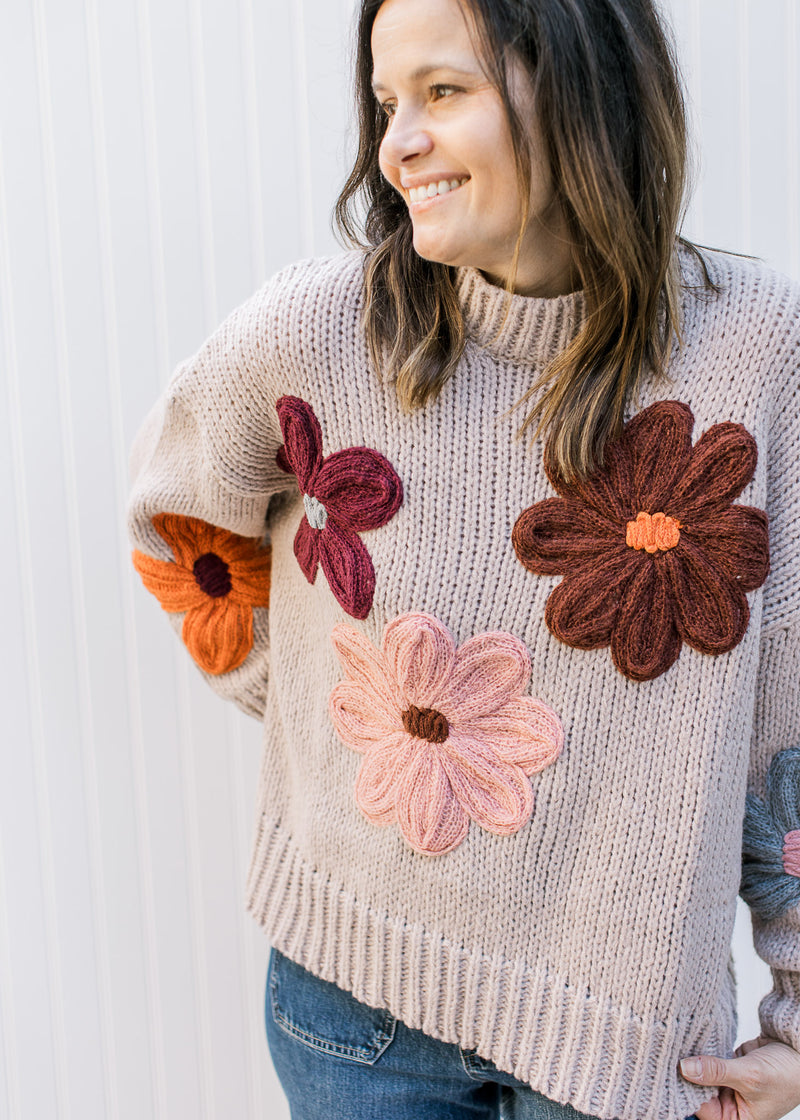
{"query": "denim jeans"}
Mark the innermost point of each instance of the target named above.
(338, 1059)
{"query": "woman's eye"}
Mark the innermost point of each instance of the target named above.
(388, 108)
(437, 92)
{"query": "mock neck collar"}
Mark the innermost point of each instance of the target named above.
(535, 329)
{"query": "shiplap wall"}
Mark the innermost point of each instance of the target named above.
(158, 160)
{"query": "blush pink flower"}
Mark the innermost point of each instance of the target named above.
(447, 734)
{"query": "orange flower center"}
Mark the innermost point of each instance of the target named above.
(212, 575)
(426, 723)
(653, 532)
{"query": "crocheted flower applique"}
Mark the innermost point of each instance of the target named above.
(447, 734)
(771, 841)
(344, 494)
(651, 548)
(217, 578)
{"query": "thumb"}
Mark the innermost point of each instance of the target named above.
(709, 1070)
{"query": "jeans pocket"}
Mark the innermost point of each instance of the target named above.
(322, 1016)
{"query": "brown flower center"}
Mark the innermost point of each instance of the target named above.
(426, 723)
(212, 575)
(653, 532)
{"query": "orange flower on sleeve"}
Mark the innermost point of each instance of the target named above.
(217, 578)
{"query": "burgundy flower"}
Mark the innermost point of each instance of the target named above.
(651, 548)
(344, 494)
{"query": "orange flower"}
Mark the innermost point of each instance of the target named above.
(217, 578)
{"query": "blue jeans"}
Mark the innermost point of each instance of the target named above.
(338, 1059)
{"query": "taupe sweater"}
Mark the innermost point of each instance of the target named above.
(507, 813)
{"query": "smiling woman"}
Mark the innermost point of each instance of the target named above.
(516, 692)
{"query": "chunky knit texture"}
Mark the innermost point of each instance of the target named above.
(574, 923)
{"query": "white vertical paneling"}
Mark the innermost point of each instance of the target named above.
(157, 162)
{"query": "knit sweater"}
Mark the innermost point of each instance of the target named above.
(509, 722)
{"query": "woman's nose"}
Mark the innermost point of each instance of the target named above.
(405, 139)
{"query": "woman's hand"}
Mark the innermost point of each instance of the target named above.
(761, 1083)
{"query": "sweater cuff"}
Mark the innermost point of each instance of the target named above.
(778, 943)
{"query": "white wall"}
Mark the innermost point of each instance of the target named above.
(159, 159)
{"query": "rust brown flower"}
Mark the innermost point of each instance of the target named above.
(651, 548)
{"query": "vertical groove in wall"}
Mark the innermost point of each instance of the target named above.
(793, 132)
(155, 1025)
(696, 120)
(8, 1028)
(745, 218)
(203, 162)
(54, 962)
(303, 125)
(251, 131)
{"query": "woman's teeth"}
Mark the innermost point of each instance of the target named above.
(444, 186)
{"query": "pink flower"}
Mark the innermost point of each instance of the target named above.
(348, 492)
(447, 734)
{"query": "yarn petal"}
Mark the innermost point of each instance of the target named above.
(660, 439)
(783, 790)
(556, 536)
(302, 436)
(488, 671)
(347, 566)
(430, 816)
(188, 537)
(306, 549)
(738, 539)
(524, 732)
(379, 778)
(359, 488)
(251, 578)
(495, 793)
(172, 584)
(722, 463)
(420, 654)
(582, 609)
(711, 611)
(366, 666)
(645, 641)
(765, 886)
(218, 634)
(608, 491)
(362, 716)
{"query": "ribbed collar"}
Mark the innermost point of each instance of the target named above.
(535, 329)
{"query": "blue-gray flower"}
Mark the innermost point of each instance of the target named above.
(771, 841)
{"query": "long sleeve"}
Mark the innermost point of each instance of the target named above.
(204, 470)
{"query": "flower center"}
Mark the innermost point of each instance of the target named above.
(315, 512)
(653, 532)
(212, 575)
(791, 853)
(426, 723)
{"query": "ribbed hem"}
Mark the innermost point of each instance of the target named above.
(567, 1044)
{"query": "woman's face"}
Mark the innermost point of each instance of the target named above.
(448, 150)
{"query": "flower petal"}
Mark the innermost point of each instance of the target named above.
(711, 610)
(645, 641)
(302, 437)
(175, 588)
(496, 794)
(722, 463)
(420, 653)
(363, 714)
(765, 886)
(359, 488)
(219, 635)
(347, 567)
(306, 549)
(581, 610)
(524, 732)
(660, 438)
(783, 790)
(188, 537)
(488, 671)
(556, 535)
(429, 814)
(251, 579)
(737, 538)
(379, 778)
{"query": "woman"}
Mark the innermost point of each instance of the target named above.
(513, 690)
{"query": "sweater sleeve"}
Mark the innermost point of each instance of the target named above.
(204, 470)
(771, 872)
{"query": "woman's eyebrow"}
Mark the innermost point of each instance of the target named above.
(424, 71)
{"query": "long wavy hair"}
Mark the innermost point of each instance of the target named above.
(612, 124)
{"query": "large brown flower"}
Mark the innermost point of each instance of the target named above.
(217, 578)
(652, 551)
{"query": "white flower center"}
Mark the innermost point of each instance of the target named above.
(315, 512)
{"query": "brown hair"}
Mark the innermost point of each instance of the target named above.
(611, 119)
